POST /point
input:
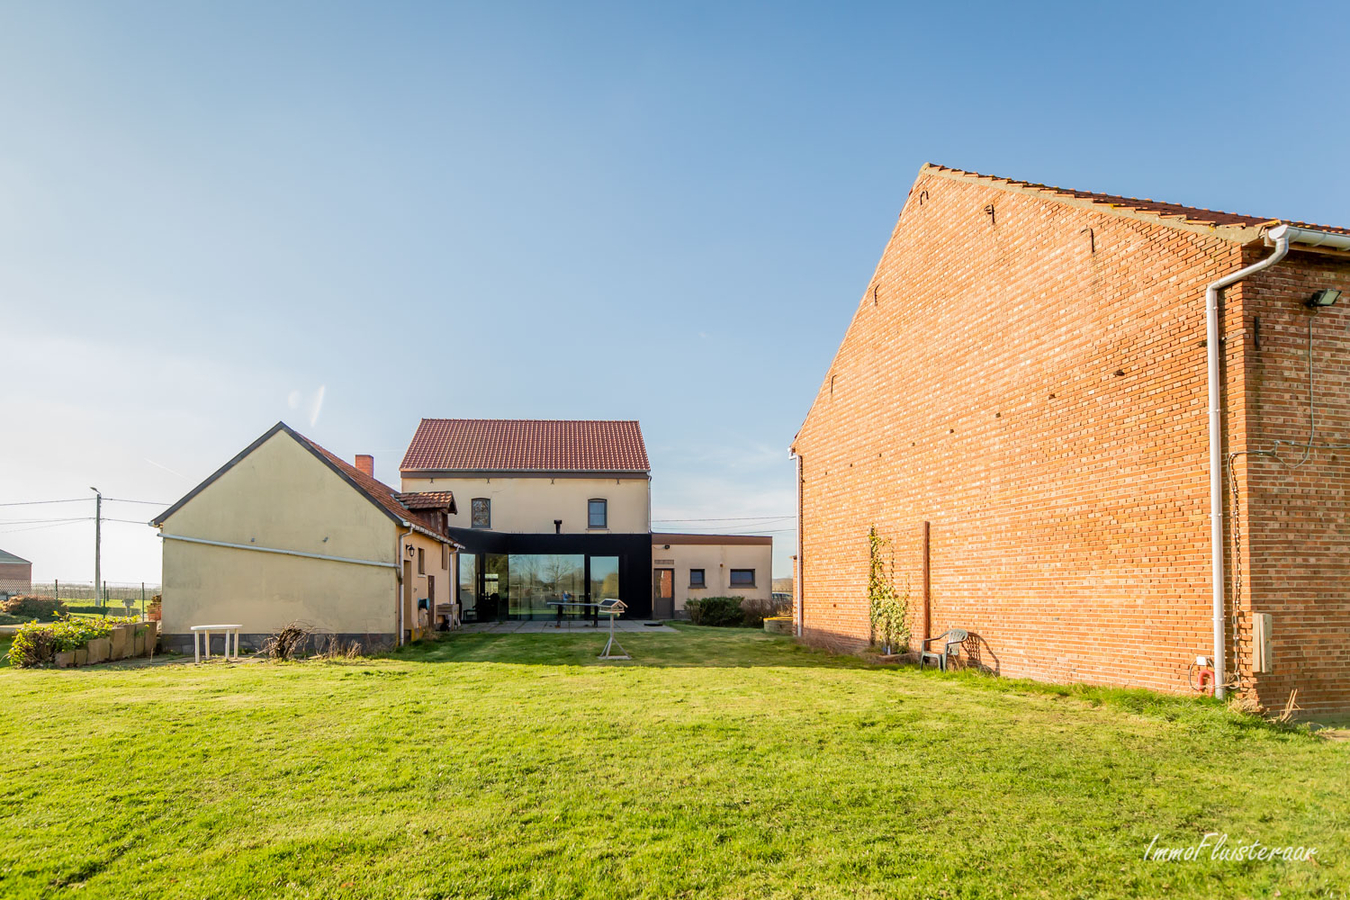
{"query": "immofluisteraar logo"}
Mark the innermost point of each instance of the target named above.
(1221, 850)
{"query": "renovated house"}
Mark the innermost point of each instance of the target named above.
(287, 532)
(558, 510)
(16, 574)
(1109, 436)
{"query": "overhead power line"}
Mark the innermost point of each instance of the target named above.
(752, 531)
(82, 500)
(732, 519)
(8, 530)
(41, 502)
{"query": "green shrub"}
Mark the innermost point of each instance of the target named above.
(754, 610)
(33, 645)
(72, 634)
(33, 607)
(722, 612)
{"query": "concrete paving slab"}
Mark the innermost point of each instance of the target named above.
(540, 626)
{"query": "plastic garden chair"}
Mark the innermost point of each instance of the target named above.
(951, 638)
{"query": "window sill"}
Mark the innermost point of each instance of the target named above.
(698, 587)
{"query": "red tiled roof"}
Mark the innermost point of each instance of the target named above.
(1191, 214)
(428, 500)
(526, 445)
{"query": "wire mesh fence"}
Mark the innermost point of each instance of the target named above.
(115, 598)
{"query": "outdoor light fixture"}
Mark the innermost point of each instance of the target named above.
(1323, 299)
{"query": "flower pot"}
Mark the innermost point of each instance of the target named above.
(138, 648)
(151, 637)
(82, 656)
(778, 625)
(65, 659)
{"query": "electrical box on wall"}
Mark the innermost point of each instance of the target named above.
(1263, 654)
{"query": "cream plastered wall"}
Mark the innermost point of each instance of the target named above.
(522, 505)
(716, 561)
(280, 496)
(421, 582)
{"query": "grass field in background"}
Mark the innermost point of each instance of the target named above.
(718, 763)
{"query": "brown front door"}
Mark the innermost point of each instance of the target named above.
(431, 603)
(663, 594)
(407, 600)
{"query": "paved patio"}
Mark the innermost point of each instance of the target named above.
(579, 626)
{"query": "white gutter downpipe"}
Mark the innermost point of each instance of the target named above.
(801, 567)
(398, 573)
(1212, 340)
(1281, 236)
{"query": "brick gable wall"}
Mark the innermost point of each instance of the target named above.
(1029, 377)
(1295, 530)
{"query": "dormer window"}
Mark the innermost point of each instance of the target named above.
(482, 513)
(597, 514)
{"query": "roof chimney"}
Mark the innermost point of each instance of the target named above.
(366, 463)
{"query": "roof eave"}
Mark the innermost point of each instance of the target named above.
(444, 539)
(1238, 234)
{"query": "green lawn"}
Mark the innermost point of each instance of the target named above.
(717, 764)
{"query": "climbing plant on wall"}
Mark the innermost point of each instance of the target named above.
(888, 609)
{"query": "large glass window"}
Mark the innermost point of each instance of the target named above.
(538, 579)
(604, 578)
(468, 587)
(492, 599)
(481, 513)
(598, 514)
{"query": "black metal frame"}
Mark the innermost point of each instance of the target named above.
(633, 550)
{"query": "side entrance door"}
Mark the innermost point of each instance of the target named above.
(663, 593)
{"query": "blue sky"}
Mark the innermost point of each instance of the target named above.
(349, 216)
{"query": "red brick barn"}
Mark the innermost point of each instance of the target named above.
(1026, 372)
(16, 574)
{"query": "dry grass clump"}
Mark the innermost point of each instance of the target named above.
(338, 650)
(293, 641)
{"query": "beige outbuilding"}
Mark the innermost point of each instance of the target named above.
(691, 566)
(287, 532)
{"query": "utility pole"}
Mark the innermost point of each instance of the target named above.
(98, 544)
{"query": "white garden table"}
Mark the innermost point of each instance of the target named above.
(205, 631)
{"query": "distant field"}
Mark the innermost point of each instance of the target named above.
(717, 764)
